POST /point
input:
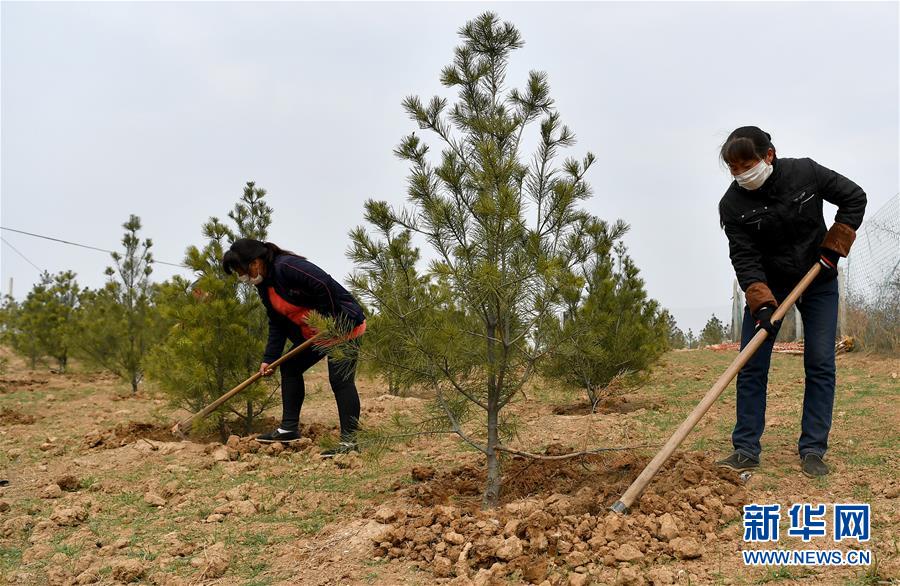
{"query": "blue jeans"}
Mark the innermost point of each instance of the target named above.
(818, 308)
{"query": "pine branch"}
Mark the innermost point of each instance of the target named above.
(457, 429)
(502, 448)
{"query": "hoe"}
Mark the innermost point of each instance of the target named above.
(640, 483)
(182, 426)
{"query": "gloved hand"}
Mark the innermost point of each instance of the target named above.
(828, 259)
(764, 320)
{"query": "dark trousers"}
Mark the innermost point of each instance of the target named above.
(818, 308)
(340, 376)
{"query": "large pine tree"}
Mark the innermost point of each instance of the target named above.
(505, 232)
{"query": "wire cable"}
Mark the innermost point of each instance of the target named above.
(161, 262)
(16, 250)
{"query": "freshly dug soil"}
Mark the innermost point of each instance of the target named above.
(617, 404)
(557, 510)
(12, 417)
(127, 433)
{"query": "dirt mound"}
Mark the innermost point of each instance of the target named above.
(12, 384)
(617, 404)
(236, 446)
(555, 517)
(12, 417)
(523, 477)
(314, 431)
(127, 433)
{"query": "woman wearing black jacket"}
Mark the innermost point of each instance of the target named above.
(290, 287)
(772, 216)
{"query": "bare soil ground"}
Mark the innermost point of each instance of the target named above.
(99, 492)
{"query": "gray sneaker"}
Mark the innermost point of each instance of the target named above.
(738, 461)
(813, 466)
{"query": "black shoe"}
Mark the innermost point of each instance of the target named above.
(279, 436)
(813, 466)
(738, 461)
(341, 448)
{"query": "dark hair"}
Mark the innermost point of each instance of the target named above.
(745, 144)
(244, 251)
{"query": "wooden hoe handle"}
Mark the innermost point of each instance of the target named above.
(640, 483)
(185, 424)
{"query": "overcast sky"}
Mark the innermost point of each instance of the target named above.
(165, 110)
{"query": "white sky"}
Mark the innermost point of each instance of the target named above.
(165, 110)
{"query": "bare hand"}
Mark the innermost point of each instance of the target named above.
(264, 369)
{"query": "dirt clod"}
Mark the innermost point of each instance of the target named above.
(68, 516)
(234, 442)
(12, 417)
(385, 514)
(153, 499)
(128, 570)
(212, 562)
(510, 548)
(535, 571)
(686, 548)
(659, 576)
(668, 528)
(629, 577)
(442, 567)
(68, 482)
(422, 473)
(576, 579)
(628, 553)
(51, 491)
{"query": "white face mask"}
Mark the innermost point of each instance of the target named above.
(252, 281)
(754, 177)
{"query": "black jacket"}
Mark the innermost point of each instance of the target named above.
(774, 232)
(302, 283)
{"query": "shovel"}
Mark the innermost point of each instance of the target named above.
(640, 483)
(185, 425)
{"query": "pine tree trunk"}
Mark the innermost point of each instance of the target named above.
(223, 430)
(134, 384)
(593, 397)
(492, 487)
(248, 421)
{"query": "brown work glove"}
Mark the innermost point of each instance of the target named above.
(758, 294)
(839, 239)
